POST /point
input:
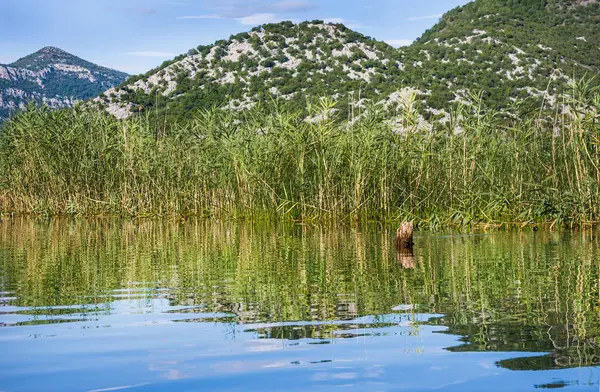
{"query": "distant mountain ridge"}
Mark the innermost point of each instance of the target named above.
(507, 51)
(53, 77)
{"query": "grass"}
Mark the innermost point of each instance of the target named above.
(482, 166)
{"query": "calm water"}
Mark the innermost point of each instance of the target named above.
(148, 306)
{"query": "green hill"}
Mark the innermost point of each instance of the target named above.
(510, 51)
(286, 61)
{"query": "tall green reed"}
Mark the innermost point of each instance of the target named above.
(481, 166)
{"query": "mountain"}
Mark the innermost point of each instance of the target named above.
(509, 52)
(283, 60)
(53, 77)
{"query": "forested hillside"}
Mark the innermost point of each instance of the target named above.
(513, 54)
(286, 61)
(511, 50)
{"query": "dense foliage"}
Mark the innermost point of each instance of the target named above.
(270, 162)
(512, 50)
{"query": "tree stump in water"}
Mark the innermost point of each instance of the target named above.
(404, 236)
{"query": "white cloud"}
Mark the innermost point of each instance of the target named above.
(151, 54)
(399, 42)
(258, 19)
(211, 16)
(436, 16)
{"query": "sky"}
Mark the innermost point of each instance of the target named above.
(135, 36)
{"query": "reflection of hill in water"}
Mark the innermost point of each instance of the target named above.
(517, 292)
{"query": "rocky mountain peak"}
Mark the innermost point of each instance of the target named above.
(52, 50)
(53, 77)
(47, 56)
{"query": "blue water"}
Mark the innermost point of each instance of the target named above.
(166, 334)
(149, 345)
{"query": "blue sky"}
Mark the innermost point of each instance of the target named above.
(137, 35)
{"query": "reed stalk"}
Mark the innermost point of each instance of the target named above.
(271, 163)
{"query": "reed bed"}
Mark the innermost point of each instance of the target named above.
(481, 166)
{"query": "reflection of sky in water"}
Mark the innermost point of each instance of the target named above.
(139, 346)
(358, 317)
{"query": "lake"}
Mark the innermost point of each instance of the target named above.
(104, 305)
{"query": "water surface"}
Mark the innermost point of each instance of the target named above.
(116, 305)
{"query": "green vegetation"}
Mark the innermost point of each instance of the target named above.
(509, 48)
(271, 162)
(236, 129)
(293, 62)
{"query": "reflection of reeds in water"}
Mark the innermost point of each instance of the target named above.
(506, 291)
